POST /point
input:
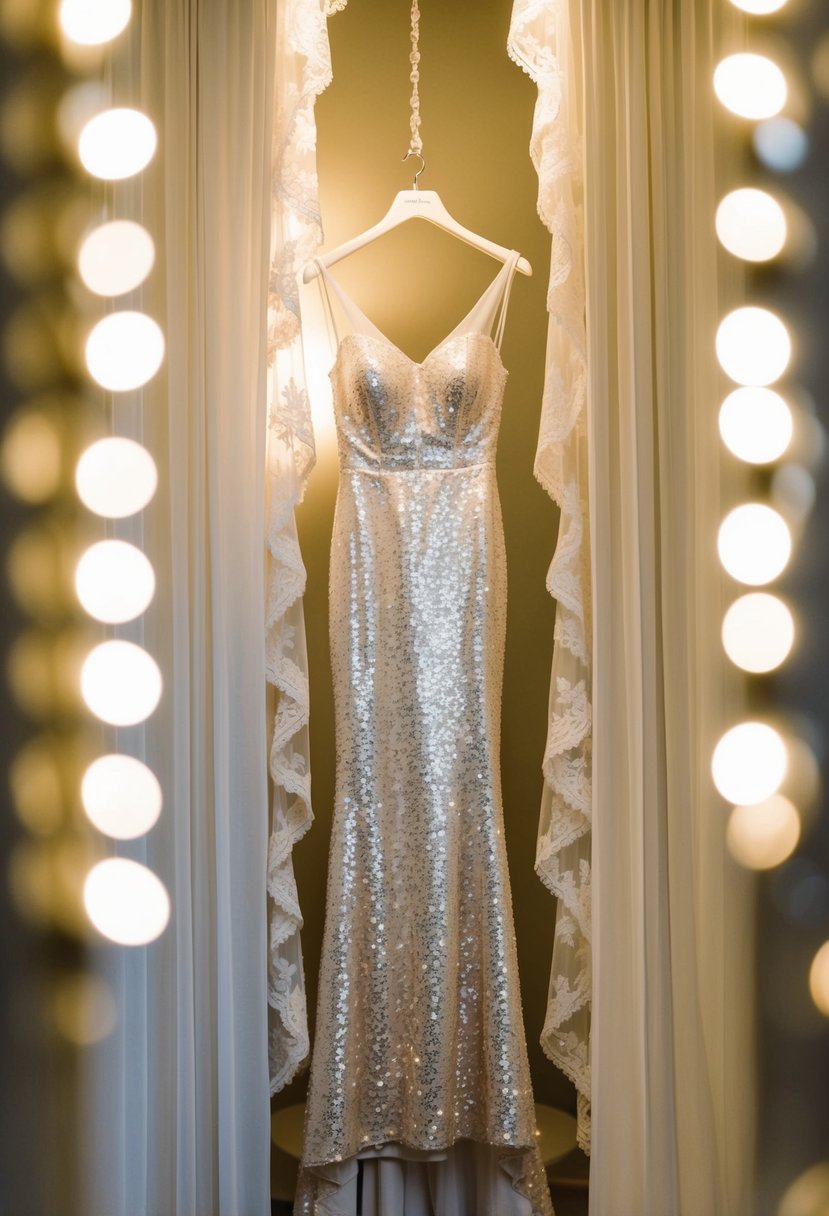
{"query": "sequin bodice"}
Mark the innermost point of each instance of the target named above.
(395, 414)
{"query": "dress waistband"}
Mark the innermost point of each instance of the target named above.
(419, 469)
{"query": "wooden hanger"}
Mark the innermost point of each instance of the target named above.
(409, 205)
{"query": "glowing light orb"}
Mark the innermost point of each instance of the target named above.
(753, 346)
(781, 144)
(751, 86)
(808, 1195)
(758, 632)
(749, 763)
(94, 22)
(114, 581)
(117, 144)
(754, 544)
(116, 477)
(759, 8)
(751, 225)
(124, 351)
(120, 683)
(84, 1009)
(78, 106)
(121, 796)
(793, 491)
(819, 979)
(30, 457)
(756, 424)
(116, 257)
(762, 836)
(37, 790)
(126, 902)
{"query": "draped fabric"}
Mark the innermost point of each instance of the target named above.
(303, 72)
(179, 1117)
(670, 1045)
(544, 41)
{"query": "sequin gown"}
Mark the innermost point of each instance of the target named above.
(419, 1077)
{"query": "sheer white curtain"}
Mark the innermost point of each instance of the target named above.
(670, 1051)
(626, 111)
(179, 1117)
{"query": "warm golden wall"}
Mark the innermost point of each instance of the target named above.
(416, 283)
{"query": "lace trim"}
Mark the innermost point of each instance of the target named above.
(303, 71)
(539, 44)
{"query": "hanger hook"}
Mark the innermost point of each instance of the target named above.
(419, 156)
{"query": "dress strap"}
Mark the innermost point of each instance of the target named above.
(326, 297)
(512, 262)
(355, 316)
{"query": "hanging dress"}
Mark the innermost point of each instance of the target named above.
(420, 1102)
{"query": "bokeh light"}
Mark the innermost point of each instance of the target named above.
(781, 144)
(759, 8)
(116, 257)
(751, 86)
(78, 106)
(751, 224)
(37, 787)
(756, 424)
(802, 781)
(754, 544)
(126, 902)
(758, 632)
(46, 879)
(120, 683)
(801, 890)
(808, 1195)
(31, 344)
(31, 881)
(121, 796)
(116, 477)
(809, 446)
(749, 763)
(31, 457)
(820, 66)
(117, 144)
(29, 238)
(114, 581)
(42, 670)
(94, 22)
(819, 979)
(124, 350)
(753, 346)
(38, 563)
(762, 836)
(793, 492)
(84, 1009)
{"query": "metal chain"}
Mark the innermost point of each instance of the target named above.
(416, 143)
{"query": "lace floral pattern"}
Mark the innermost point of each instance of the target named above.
(539, 42)
(303, 71)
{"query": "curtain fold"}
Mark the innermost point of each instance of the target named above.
(671, 1047)
(179, 1120)
(544, 41)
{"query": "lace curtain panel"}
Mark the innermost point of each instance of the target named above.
(303, 72)
(543, 43)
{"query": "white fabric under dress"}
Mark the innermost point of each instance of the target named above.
(420, 1102)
